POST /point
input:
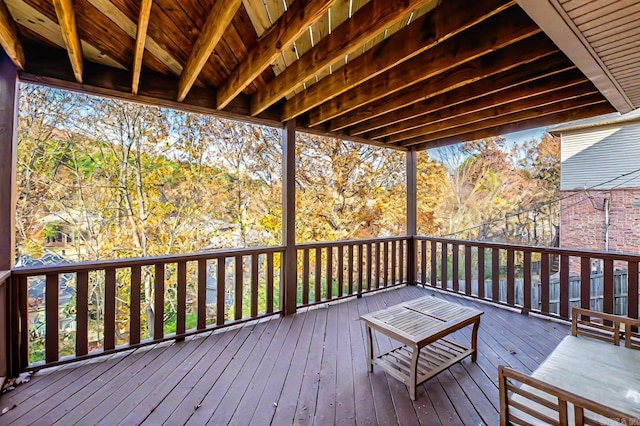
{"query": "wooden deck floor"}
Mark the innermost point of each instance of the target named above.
(302, 369)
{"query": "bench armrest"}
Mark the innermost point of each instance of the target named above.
(607, 327)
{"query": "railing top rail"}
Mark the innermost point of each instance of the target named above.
(142, 261)
(4, 275)
(537, 249)
(351, 242)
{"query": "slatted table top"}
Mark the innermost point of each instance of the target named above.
(421, 320)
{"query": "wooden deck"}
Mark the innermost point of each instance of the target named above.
(301, 369)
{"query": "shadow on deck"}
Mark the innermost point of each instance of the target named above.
(301, 369)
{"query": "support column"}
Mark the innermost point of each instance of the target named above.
(289, 291)
(412, 214)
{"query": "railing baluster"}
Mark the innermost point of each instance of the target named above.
(340, 271)
(386, 263)
(423, 263)
(511, 277)
(608, 300)
(317, 284)
(434, 264)
(82, 311)
(109, 308)
(238, 296)
(51, 317)
(544, 283)
(220, 290)
(158, 320)
(481, 284)
(350, 270)
(455, 251)
(360, 272)
(202, 294)
(181, 314)
(270, 292)
(377, 284)
(444, 267)
(305, 276)
(394, 262)
(632, 290)
(23, 293)
(495, 275)
(134, 307)
(527, 281)
(467, 270)
(369, 266)
(254, 284)
(401, 261)
(585, 282)
(329, 284)
(564, 286)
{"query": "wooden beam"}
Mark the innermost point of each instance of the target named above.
(448, 19)
(9, 37)
(573, 79)
(141, 37)
(505, 28)
(540, 121)
(282, 33)
(547, 66)
(510, 57)
(220, 16)
(373, 18)
(288, 296)
(8, 148)
(486, 120)
(67, 22)
(453, 124)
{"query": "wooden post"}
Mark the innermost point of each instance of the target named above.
(10, 316)
(288, 293)
(412, 227)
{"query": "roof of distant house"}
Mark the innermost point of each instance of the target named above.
(602, 120)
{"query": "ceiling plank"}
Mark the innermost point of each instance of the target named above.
(540, 121)
(539, 69)
(141, 38)
(448, 19)
(365, 24)
(468, 113)
(282, 33)
(217, 22)
(9, 37)
(67, 22)
(506, 28)
(521, 53)
(573, 79)
(486, 119)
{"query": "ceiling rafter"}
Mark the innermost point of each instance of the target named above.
(523, 91)
(520, 53)
(217, 22)
(486, 119)
(450, 18)
(373, 18)
(67, 21)
(10, 38)
(141, 38)
(282, 33)
(508, 27)
(542, 120)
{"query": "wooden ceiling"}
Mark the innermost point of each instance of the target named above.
(410, 74)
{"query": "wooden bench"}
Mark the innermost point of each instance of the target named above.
(589, 378)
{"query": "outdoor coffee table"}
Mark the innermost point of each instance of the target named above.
(421, 325)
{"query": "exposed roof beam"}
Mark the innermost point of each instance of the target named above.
(506, 28)
(547, 66)
(373, 18)
(217, 22)
(67, 22)
(282, 33)
(540, 121)
(141, 37)
(446, 20)
(551, 85)
(468, 113)
(508, 58)
(486, 119)
(9, 38)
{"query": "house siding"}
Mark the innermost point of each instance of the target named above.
(598, 158)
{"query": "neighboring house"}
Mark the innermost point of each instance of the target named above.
(600, 183)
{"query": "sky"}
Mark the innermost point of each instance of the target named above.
(525, 135)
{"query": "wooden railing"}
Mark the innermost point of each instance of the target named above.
(75, 311)
(333, 270)
(521, 276)
(4, 326)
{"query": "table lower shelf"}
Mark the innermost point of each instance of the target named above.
(433, 359)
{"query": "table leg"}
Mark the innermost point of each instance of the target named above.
(414, 372)
(370, 347)
(474, 340)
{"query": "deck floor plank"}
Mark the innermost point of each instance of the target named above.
(308, 368)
